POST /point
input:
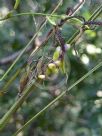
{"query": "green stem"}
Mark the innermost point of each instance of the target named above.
(62, 16)
(96, 13)
(29, 43)
(16, 60)
(17, 4)
(6, 86)
(38, 14)
(18, 103)
(58, 97)
(93, 17)
(9, 15)
(15, 106)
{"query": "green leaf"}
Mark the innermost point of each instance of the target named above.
(75, 21)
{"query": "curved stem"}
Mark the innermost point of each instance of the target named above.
(97, 12)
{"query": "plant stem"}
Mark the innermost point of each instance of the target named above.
(17, 4)
(18, 103)
(6, 86)
(93, 17)
(98, 11)
(29, 43)
(15, 106)
(30, 14)
(58, 97)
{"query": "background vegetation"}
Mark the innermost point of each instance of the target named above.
(77, 113)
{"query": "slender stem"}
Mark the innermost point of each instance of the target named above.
(6, 86)
(30, 14)
(72, 39)
(15, 106)
(29, 43)
(61, 16)
(96, 13)
(18, 103)
(79, 5)
(17, 4)
(9, 15)
(93, 17)
(58, 97)
(16, 60)
(38, 14)
(77, 82)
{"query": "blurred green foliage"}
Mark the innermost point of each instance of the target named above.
(78, 113)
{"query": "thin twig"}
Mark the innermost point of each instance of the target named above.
(78, 6)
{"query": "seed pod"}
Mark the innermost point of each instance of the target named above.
(57, 53)
(41, 77)
(51, 70)
(51, 66)
(62, 67)
(57, 63)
